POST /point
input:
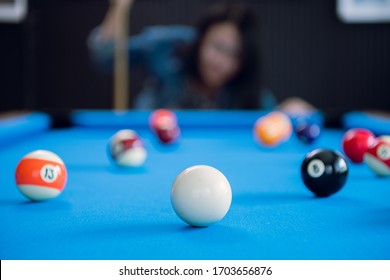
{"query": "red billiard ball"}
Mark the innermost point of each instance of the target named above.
(377, 156)
(356, 142)
(41, 175)
(164, 124)
(162, 118)
(127, 149)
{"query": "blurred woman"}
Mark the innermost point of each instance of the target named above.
(212, 66)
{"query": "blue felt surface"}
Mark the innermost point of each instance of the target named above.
(23, 126)
(137, 119)
(111, 213)
(378, 125)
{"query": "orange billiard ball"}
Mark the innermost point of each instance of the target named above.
(41, 175)
(273, 129)
(377, 156)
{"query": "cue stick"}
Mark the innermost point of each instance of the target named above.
(121, 61)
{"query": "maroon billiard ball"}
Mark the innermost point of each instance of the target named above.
(163, 123)
(356, 142)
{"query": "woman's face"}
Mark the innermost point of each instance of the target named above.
(220, 54)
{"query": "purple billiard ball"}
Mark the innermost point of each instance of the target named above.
(307, 132)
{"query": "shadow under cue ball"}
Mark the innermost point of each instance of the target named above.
(324, 172)
(201, 195)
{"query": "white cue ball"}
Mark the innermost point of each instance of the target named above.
(201, 195)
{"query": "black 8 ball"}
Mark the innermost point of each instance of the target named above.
(324, 172)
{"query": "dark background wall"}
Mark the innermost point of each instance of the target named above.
(307, 51)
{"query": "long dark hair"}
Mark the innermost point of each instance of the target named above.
(245, 86)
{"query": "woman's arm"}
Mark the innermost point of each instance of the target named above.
(101, 40)
(118, 10)
(151, 47)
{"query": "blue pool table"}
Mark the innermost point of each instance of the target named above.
(106, 212)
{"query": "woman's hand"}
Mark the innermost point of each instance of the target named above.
(117, 13)
(296, 106)
(124, 4)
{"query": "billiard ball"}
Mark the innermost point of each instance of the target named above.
(40, 175)
(356, 142)
(201, 195)
(168, 135)
(324, 172)
(162, 117)
(377, 156)
(164, 124)
(307, 132)
(272, 129)
(127, 149)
